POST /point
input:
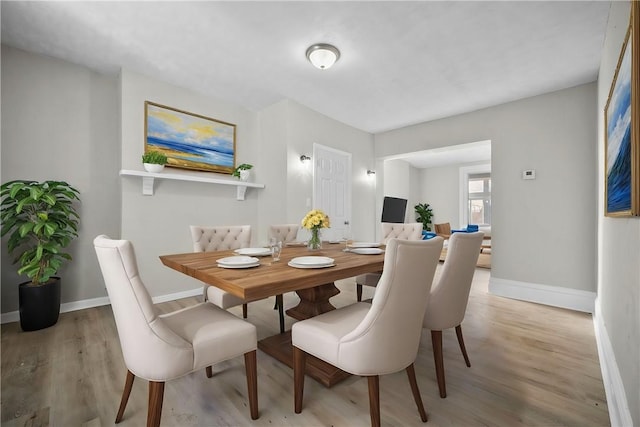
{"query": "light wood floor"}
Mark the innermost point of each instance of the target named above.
(531, 365)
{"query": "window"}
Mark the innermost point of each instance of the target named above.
(479, 198)
(475, 195)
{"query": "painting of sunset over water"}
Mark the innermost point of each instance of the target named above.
(189, 140)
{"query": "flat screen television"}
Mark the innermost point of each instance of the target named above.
(393, 209)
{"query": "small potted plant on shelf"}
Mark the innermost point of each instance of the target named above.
(41, 221)
(242, 171)
(154, 161)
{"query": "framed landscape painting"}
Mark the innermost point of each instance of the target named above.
(622, 145)
(190, 141)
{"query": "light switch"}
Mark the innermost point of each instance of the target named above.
(529, 174)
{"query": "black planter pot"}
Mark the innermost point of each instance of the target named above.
(39, 305)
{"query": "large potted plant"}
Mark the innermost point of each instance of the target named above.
(41, 221)
(424, 214)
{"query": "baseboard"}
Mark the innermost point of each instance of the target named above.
(573, 299)
(619, 413)
(14, 316)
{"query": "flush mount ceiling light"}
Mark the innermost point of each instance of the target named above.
(323, 55)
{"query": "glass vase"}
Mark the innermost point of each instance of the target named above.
(315, 242)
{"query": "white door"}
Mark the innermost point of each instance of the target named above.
(332, 188)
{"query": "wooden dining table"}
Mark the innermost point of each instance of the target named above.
(314, 286)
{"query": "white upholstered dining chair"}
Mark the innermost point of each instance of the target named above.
(223, 238)
(162, 347)
(403, 231)
(284, 232)
(378, 338)
(449, 296)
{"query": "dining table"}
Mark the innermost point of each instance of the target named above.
(313, 285)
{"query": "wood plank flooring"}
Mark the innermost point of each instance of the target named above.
(531, 365)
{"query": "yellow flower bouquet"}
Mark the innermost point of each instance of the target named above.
(314, 221)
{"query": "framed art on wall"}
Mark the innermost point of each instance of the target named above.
(189, 140)
(622, 144)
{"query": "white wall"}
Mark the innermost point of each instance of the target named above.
(415, 193)
(289, 130)
(538, 226)
(397, 178)
(306, 127)
(396, 182)
(273, 146)
(619, 259)
(271, 140)
(159, 224)
(60, 122)
(441, 189)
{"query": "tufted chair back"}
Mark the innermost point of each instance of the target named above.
(221, 238)
(387, 339)
(284, 232)
(402, 231)
(450, 295)
(162, 347)
(141, 331)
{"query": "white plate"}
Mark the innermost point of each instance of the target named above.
(367, 251)
(365, 245)
(294, 265)
(255, 264)
(237, 260)
(312, 260)
(253, 251)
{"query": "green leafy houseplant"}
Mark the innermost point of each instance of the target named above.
(242, 167)
(424, 213)
(41, 221)
(154, 158)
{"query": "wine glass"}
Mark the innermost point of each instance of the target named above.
(276, 249)
(346, 236)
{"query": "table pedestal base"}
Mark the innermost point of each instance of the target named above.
(313, 301)
(279, 347)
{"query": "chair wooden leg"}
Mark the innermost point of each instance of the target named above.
(436, 340)
(411, 373)
(358, 292)
(374, 400)
(156, 394)
(280, 304)
(128, 383)
(244, 311)
(251, 366)
(299, 360)
(462, 347)
(209, 371)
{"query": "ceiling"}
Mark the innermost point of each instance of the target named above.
(401, 62)
(450, 155)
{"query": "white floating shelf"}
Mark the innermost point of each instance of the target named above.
(148, 179)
